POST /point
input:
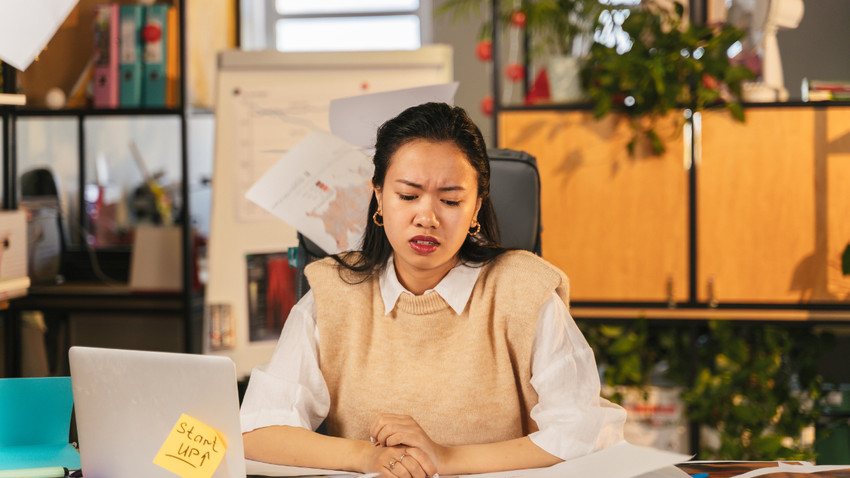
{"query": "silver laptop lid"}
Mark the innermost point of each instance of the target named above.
(127, 402)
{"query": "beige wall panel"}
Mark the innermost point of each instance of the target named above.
(617, 225)
(773, 205)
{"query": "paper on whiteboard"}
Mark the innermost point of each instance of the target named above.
(356, 118)
(321, 187)
(26, 27)
(268, 121)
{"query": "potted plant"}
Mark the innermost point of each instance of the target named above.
(752, 387)
(669, 64)
(559, 31)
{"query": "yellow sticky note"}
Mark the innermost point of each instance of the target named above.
(192, 449)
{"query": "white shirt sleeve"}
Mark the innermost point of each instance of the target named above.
(572, 417)
(290, 389)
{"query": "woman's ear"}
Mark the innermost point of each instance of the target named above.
(379, 196)
(477, 209)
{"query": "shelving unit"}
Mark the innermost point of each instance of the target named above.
(73, 296)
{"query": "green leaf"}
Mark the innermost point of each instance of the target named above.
(624, 344)
(737, 112)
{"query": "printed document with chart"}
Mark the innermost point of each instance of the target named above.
(322, 187)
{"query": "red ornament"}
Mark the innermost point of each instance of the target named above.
(515, 72)
(151, 33)
(539, 91)
(484, 50)
(487, 105)
(518, 19)
(710, 82)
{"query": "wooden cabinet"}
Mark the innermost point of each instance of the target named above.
(770, 210)
(617, 225)
(773, 206)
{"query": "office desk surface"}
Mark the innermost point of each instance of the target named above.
(735, 468)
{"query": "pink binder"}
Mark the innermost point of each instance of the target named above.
(106, 22)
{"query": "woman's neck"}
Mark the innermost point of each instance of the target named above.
(417, 281)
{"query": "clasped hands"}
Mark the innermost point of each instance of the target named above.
(402, 449)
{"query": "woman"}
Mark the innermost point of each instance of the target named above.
(433, 350)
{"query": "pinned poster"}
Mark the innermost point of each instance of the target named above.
(193, 449)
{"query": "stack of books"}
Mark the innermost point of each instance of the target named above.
(135, 56)
(823, 90)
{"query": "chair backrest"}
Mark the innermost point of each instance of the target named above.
(514, 191)
(46, 236)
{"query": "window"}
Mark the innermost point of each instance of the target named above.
(343, 25)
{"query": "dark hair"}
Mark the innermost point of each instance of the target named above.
(437, 122)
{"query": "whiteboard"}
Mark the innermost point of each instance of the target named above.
(266, 102)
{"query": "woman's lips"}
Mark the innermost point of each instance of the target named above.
(423, 244)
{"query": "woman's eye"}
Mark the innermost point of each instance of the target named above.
(451, 203)
(406, 197)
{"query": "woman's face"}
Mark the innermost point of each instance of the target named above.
(429, 201)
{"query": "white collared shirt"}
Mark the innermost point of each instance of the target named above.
(573, 419)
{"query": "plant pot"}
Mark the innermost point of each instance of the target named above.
(655, 417)
(564, 81)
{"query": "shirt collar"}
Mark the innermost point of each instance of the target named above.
(455, 288)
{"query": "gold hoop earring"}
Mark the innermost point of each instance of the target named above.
(474, 230)
(375, 219)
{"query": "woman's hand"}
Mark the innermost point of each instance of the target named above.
(392, 430)
(399, 461)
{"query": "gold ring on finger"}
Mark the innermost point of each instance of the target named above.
(402, 457)
(392, 464)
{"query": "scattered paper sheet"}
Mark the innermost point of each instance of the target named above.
(670, 471)
(27, 26)
(622, 460)
(267, 469)
(356, 119)
(322, 188)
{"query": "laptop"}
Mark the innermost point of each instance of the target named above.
(127, 402)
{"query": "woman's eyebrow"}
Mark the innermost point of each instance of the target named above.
(419, 186)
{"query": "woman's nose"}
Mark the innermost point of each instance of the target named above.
(426, 216)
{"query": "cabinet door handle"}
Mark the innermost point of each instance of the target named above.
(692, 134)
(697, 126)
(688, 140)
(671, 298)
(712, 300)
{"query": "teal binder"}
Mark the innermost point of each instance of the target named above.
(154, 35)
(35, 421)
(130, 56)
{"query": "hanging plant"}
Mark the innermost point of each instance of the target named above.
(671, 64)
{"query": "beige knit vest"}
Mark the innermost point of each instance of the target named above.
(464, 378)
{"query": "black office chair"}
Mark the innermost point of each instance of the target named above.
(515, 192)
(46, 237)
